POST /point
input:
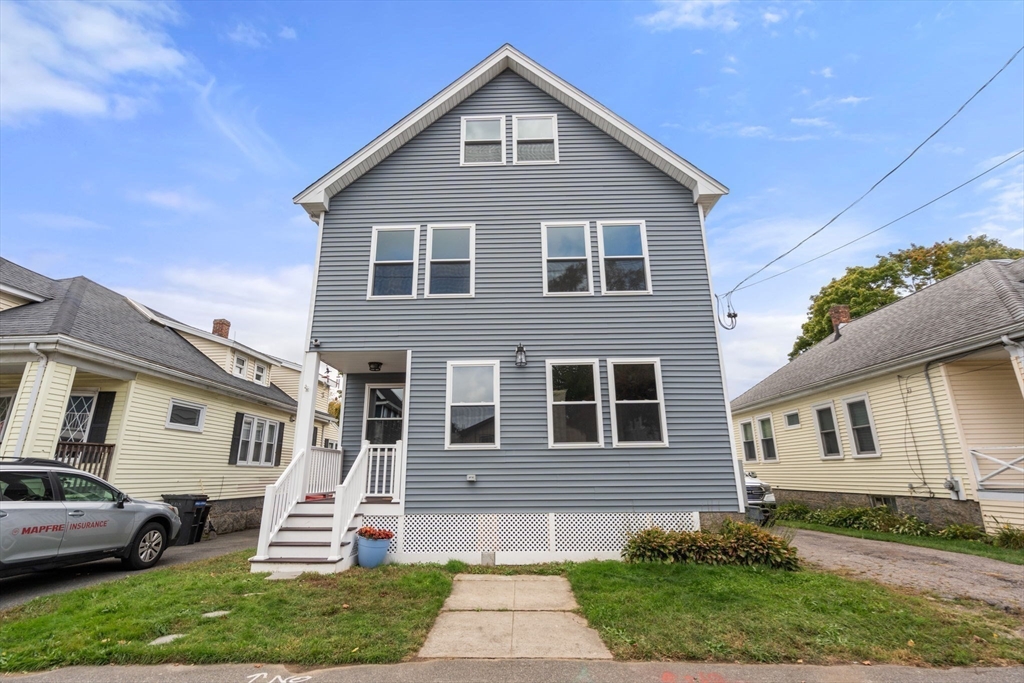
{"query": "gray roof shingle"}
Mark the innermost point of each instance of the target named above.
(80, 308)
(986, 297)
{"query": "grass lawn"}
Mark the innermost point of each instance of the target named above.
(748, 614)
(936, 542)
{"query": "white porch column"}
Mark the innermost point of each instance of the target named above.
(307, 403)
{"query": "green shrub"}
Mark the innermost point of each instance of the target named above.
(870, 519)
(736, 543)
(964, 532)
(795, 511)
(1009, 537)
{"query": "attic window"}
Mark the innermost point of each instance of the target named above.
(259, 374)
(240, 363)
(483, 141)
(535, 139)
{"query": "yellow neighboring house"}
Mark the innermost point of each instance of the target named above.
(918, 406)
(154, 406)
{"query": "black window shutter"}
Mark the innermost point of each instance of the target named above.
(101, 417)
(280, 444)
(314, 436)
(236, 436)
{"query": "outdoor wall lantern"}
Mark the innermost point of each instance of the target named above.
(520, 356)
(375, 366)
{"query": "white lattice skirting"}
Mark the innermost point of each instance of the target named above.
(520, 538)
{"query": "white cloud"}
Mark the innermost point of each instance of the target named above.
(814, 123)
(832, 101)
(236, 121)
(288, 33)
(61, 221)
(826, 72)
(1001, 200)
(757, 347)
(83, 59)
(754, 131)
(698, 51)
(248, 35)
(735, 129)
(693, 14)
(267, 311)
(772, 16)
(729, 70)
(184, 201)
(731, 59)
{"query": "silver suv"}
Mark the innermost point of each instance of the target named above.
(52, 514)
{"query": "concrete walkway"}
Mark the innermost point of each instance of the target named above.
(512, 617)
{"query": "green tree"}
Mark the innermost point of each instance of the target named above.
(895, 275)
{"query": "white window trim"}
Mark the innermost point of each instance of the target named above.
(373, 262)
(462, 140)
(92, 412)
(753, 432)
(448, 445)
(847, 400)
(10, 411)
(817, 430)
(785, 420)
(234, 365)
(273, 452)
(472, 260)
(515, 138)
(368, 401)
(265, 380)
(646, 255)
(595, 365)
(775, 438)
(611, 363)
(331, 444)
(187, 404)
(544, 255)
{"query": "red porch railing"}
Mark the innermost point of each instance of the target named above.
(93, 458)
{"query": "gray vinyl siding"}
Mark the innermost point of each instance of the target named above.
(597, 179)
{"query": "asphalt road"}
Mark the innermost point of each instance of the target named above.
(20, 589)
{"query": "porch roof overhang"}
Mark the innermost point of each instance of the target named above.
(357, 362)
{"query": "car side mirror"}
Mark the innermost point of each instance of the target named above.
(122, 499)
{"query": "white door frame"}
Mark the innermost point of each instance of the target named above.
(398, 472)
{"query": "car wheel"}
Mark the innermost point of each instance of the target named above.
(147, 546)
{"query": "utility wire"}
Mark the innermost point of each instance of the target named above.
(868, 234)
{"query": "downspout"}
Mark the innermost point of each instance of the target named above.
(951, 483)
(32, 396)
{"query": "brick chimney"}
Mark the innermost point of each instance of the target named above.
(840, 316)
(222, 327)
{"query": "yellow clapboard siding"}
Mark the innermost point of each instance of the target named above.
(988, 402)
(999, 512)
(10, 301)
(218, 353)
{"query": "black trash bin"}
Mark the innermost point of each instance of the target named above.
(193, 510)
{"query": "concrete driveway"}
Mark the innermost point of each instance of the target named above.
(20, 589)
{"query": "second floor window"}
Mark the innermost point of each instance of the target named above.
(535, 139)
(393, 262)
(625, 267)
(483, 140)
(450, 252)
(566, 248)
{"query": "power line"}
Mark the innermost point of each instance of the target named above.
(728, 295)
(868, 234)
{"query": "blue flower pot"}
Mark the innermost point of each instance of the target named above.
(371, 552)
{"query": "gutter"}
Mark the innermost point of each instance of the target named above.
(951, 484)
(33, 348)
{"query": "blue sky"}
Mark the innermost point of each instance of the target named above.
(155, 148)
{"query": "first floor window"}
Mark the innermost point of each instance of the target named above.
(566, 248)
(393, 262)
(6, 408)
(186, 415)
(77, 417)
(749, 449)
(764, 425)
(827, 434)
(864, 441)
(624, 260)
(450, 260)
(473, 405)
(384, 414)
(257, 441)
(574, 405)
(331, 444)
(638, 409)
(792, 420)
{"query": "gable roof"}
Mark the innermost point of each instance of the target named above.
(973, 307)
(316, 198)
(84, 310)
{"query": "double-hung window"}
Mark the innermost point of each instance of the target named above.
(185, 415)
(483, 141)
(259, 374)
(767, 430)
(566, 248)
(574, 404)
(749, 448)
(240, 364)
(625, 266)
(393, 261)
(862, 427)
(828, 435)
(257, 441)
(450, 260)
(535, 139)
(472, 410)
(637, 402)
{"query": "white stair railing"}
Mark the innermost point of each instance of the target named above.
(999, 468)
(381, 469)
(325, 465)
(279, 500)
(347, 498)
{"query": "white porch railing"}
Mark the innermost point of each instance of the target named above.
(279, 500)
(382, 464)
(324, 470)
(347, 498)
(999, 468)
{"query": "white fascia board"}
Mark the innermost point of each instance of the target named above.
(21, 293)
(315, 199)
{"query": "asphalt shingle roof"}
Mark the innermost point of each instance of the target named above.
(985, 297)
(80, 308)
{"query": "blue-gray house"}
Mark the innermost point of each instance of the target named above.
(514, 282)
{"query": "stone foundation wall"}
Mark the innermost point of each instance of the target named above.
(938, 511)
(236, 514)
(712, 521)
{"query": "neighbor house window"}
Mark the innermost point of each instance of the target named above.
(624, 262)
(638, 408)
(792, 420)
(749, 448)
(472, 408)
(185, 415)
(566, 253)
(393, 262)
(574, 404)
(862, 427)
(240, 363)
(535, 139)
(450, 254)
(331, 444)
(828, 435)
(77, 417)
(767, 432)
(483, 140)
(6, 408)
(257, 441)
(259, 374)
